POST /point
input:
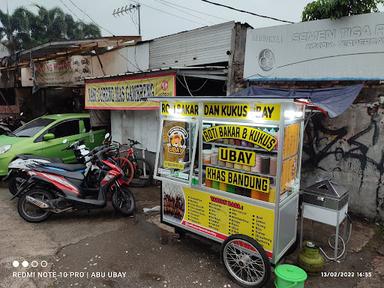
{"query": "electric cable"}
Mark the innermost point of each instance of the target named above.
(70, 10)
(118, 52)
(185, 86)
(197, 11)
(197, 89)
(132, 19)
(247, 12)
(171, 14)
(181, 10)
(342, 241)
(129, 61)
(201, 87)
(90, 18)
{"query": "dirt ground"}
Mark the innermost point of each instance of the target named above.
(140, 252)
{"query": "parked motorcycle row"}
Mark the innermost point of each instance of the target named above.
(43, 186)
(10, 123)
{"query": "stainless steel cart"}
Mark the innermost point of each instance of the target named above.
(230, 171)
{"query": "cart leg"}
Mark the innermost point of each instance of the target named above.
(337, 237)
(301, 225)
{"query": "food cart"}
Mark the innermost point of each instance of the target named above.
(230, 172)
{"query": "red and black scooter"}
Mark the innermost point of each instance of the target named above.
(48, 191)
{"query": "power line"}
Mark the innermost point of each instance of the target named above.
(248, 12)
(171, 5)
(118, 52)
(70, 10)
(129, 61)
(174, 15)
(90, 18)
(197, 11)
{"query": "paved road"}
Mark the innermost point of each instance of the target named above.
(129, 249)
(102, 249)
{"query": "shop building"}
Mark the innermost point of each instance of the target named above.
(49, 78)
(332, 53)
(203, 61)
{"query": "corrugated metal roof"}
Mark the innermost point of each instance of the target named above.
(200, 46)
(83, 45)
(52, 50)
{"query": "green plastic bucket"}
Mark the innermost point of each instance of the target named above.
(290, 276)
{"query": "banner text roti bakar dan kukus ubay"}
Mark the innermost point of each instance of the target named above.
(253, 135)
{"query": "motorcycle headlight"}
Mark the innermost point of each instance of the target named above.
(5, 148)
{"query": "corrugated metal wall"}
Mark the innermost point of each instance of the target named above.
(196, 47)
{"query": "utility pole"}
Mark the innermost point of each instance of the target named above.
(127, 9)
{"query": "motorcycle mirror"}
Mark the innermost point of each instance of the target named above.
(107, 136)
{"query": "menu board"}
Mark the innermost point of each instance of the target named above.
(219, 216)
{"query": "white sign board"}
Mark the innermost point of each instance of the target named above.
(350, 48)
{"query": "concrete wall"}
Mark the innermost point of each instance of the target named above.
(350, 149)
(120, 61)
(142, 126)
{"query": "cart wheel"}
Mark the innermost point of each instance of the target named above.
(245, 261)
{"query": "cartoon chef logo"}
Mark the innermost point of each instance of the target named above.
(177, 137)
(164, 85)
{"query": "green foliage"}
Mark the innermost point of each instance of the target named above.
(322, 9)
(24, 29)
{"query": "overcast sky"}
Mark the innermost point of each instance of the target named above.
(163, 17)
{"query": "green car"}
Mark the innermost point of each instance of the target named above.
(48, 136)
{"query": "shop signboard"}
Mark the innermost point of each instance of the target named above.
(128, 92)
(67, 71)
(349, 48)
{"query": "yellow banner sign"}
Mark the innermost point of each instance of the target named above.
(237, 156)
(242, 111)
(220, 217)
(179, 108)
(267, 111)
(128, 92)
(243, 180)
(253, 135)
(228, 110)
(173, 165)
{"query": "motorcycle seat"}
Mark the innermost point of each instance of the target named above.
(68, 167)
(26, 157)
(66, 174)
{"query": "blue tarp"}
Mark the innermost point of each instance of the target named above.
(332, 100)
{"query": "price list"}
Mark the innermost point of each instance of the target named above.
(259, 228)
(229, 216)
(196, 210)
(217, 217)
(238, 221)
